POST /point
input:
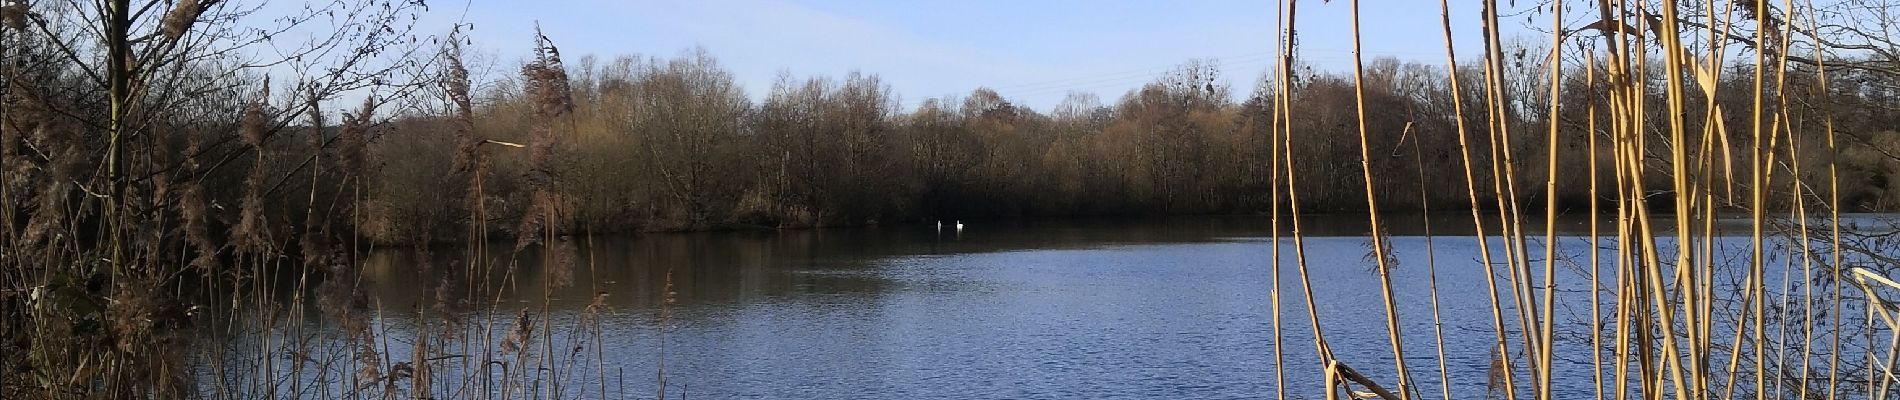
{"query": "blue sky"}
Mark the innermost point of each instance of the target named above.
(1033, 52)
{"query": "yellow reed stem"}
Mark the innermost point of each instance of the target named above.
(1550, 204)
(1834, 211)
(1596, 262)
(1685, 381)
(1273, 295)
(1380, 258)
(1471, 191)
(1293, 198)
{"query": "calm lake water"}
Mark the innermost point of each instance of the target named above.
(1173, 308)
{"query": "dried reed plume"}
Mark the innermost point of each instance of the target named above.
(520, 336)
(13, 14)
(14, 170)
(546, 78)
(560, 269)
(450, 302)
(341, 296)
(193, 211)
(314, 245)
(178, 21)
(59, 175)
(455, 83)
(352, 139)
(547, 84)
(252, 232)
(369, 362)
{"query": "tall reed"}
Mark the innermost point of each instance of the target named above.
(1677, 316)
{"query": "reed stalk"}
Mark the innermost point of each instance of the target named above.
(1380, 248)
(1548, 329)
(1834, 213)
(1477, 218)
(1284, 104)
(1283, 63)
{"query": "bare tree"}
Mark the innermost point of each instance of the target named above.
(98, 96)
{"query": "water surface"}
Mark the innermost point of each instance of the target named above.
(1174, 308)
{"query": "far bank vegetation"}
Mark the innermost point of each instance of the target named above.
(674, 143)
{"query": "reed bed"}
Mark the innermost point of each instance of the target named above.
(169, 267)
(1675, 310)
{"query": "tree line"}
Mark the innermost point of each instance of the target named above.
(673, 143)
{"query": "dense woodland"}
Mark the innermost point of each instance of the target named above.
(671, 143)
(658, 143)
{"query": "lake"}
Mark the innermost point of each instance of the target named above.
(1150, 308)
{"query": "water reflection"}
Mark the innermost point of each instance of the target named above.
(1034, 309)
